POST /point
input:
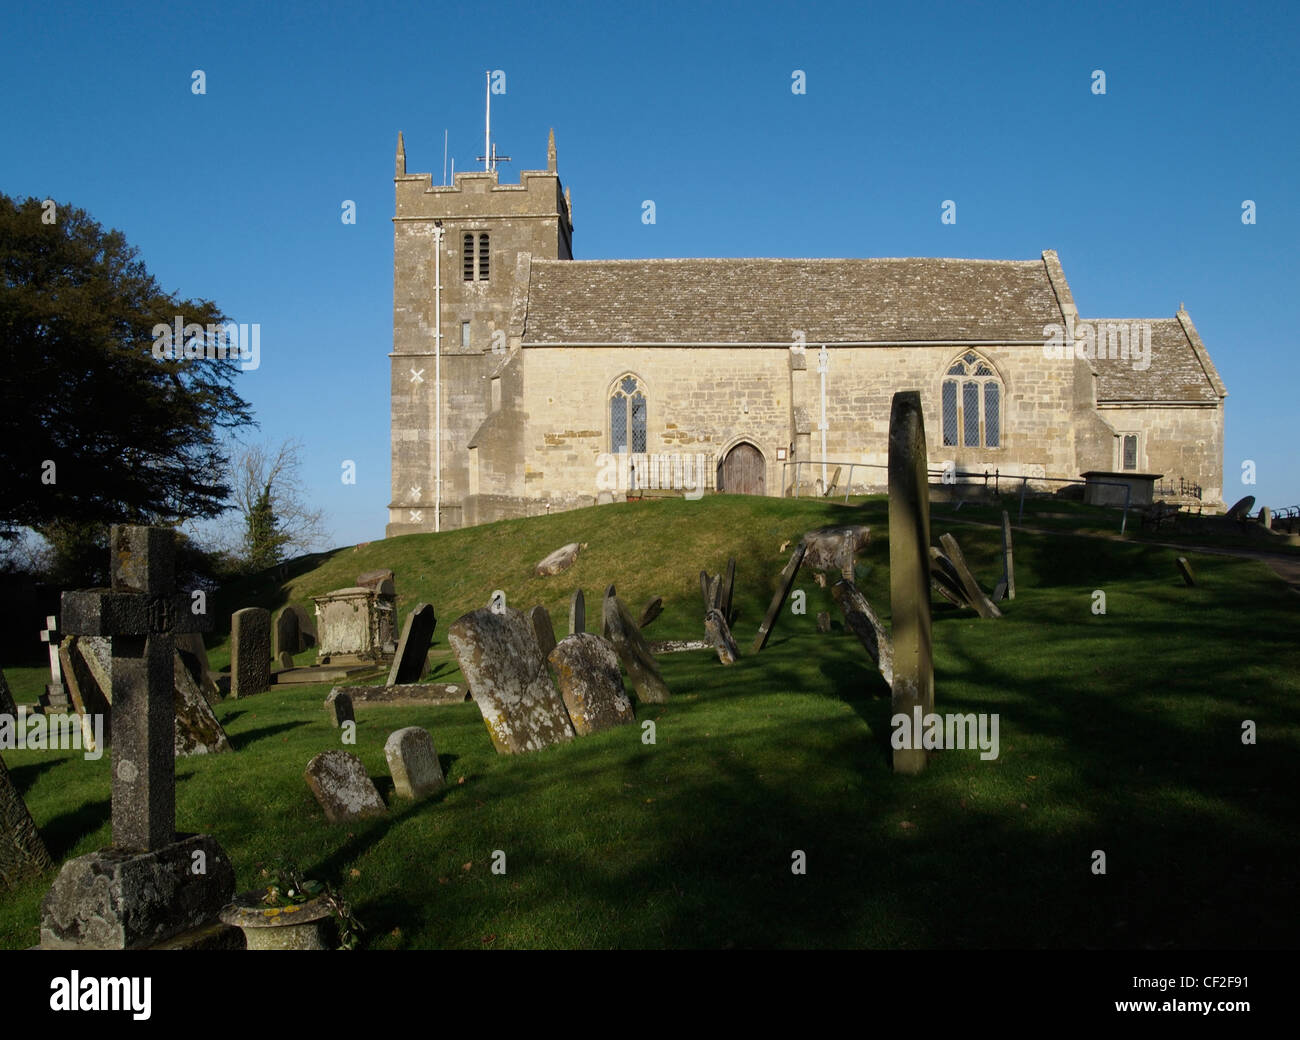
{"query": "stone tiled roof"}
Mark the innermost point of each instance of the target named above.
(764, 301)
(1175, 373)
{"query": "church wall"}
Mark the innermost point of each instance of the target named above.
(1176, 441)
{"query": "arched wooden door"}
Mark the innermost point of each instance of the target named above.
(743, 471)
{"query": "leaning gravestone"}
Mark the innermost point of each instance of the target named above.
(909, 569)
(195, 655)
(1008, 562)
(250, 651)
(22, 852)
(7, 705)
(784, 583)
(717, 632)
(975, 595)
(823, 621)
(413, 762)
(1240, 509)
(84, 691)
(540, 619)
(198, 731)
(577, 614)
(859, 617)
(144, 889)
(1185, 569)
(835, 548)
(653, 608)
(339, 706)
(343, 788)
(945, 578)
(499, 657)
(632, 650)
(413, 647)
(586, 670)
(728, 591)
(561, 560)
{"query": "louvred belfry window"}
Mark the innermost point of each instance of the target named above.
(971, 403)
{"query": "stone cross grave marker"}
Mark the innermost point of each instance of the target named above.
(909, 568)
(784, 584)
(140, 614)
(413, 647)
(56, 691)
(577, 614)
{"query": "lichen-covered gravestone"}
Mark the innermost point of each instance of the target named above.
(343, 788)
(413, 647)
(22, 852)
(198, 731)
(339, 706)
(499, 657)
(859, 617)
(586, 670)
(622, 632)
(250, 651)
(715, 628)
(909, 569)
(413, 762)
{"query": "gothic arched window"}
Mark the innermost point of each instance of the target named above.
(627, 416)
(972, 403)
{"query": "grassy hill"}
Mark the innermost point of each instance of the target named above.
(1119, 732)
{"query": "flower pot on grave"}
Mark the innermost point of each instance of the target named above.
(297, 926)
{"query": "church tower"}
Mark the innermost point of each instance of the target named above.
(489, 234)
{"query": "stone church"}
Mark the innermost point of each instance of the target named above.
(558, 383)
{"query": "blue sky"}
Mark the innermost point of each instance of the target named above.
(235, 195)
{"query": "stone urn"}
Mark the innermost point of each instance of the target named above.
(298, 926)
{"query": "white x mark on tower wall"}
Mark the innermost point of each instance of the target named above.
(417, 377)
(417, 516)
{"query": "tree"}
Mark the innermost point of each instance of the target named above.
(269, 495)
(94, 428)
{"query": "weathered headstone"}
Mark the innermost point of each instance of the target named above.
(1266, 517)
(1008, 562)
(144, 889)
(653, 608)
(306, 626)
(1240, 509)
(407, 693)
(540, 619)
(413, 647)
(727, 591)
(198, 731)
(944, 577)
(287, 638)
(975, 595)
(835, 548)
(864, 623)
(343, 788)
(380, 580)
(587, 673)
(84, 692)
(834, 482)
(909, 569)
(632, 650)
(561, 560)
(413, 763)
(22, 852)
(355, 623)
(717, 632)
(284, 661)
(577, 614)
(823, 621)
(339, 707)
(706, 590)
(1185, 569)
(7, 705)
(250, 651)
(195, 656)
(56, 691)
(784, 583)
(499, 657)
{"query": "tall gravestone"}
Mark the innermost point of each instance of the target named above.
(633, 651)
(784, 583)
(148, 886)
(577, 614)
(250, 651)
(909, 569)
(413, 647)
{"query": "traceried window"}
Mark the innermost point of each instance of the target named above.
(474, 257)
(971, 401)
(1129, 451)
(627, 416)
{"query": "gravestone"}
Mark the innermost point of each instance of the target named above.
(784, 583)
(1240, 510)
(944, 577)
(708, 590)
(413, 763)
(195, 656)
(379, 581)
(909, 569)
(356, 623)
(975, 595)
(143, 890)
(22, 852)
(306, 626)
(413, 647)
(87, 698)
(577, 614)
(591, 685)
(834, 482)
(198, 731)
(561, 560)
(339, 707)
(823, 621)
(499, 657)
(343, 788)
(864, 623)
(287, 638)
(835, 548)
(1266, 518)
(56, 691)
(1185, 569)
(407, 694)
(1008, 562)
(653, 608)
(633, 651)
(540, 619)
(284, 661)
(7, 705)
(250, 651)
(727, 591)
(717, 632)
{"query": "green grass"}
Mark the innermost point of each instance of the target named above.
(1118, 732)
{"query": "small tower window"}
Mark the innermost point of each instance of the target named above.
(464, 334)
(483, 257)
(468, 258)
